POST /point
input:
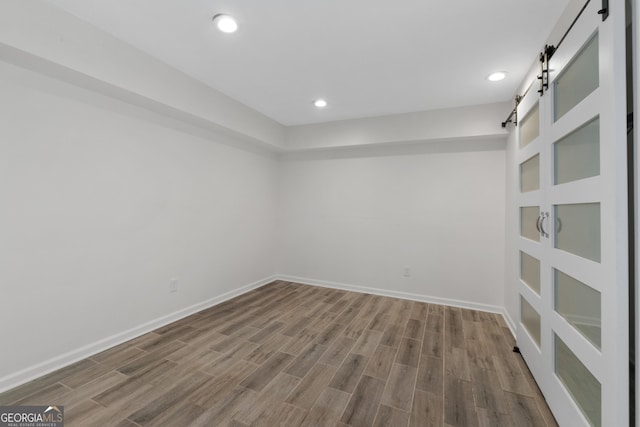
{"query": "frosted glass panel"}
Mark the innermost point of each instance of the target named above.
(530, 271)
(528, 220)
(578, 229)
(577, 155)
(579, 304)
(581, 384)
(530, 126)
(530, 320)
(530, 174)
(578, 80)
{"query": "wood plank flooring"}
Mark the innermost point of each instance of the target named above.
(288, 354)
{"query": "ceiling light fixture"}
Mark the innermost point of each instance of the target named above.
(497, 76)
(320, 103)
(225, 23)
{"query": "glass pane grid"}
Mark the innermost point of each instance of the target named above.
(530, 271)
(529, 216)
(577, 155)
(582, 386)
(530, 174)
(530, 319)
(578, 304)
(529, 126)
(577, 229)
(578, 80)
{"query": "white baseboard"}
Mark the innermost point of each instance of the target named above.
(395, 294)
(510, 323)
(13, 380)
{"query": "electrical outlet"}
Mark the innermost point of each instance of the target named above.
(406, 272)
(173, 285)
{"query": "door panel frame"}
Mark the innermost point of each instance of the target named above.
(609, 365)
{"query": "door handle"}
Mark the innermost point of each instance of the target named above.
(543, 216)
(538, 223)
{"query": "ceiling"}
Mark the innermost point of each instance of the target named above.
(365, 57)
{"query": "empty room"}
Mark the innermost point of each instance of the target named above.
(318, 213)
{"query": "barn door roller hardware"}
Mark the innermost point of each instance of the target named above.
(513, 117)
(546, 55)
(605, 10)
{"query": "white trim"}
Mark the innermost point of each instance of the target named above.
(395, 294)
(510, 323)
(28, 374)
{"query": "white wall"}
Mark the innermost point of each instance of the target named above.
(102, 204)
(358, 217)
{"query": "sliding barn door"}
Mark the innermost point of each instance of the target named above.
(573, 326)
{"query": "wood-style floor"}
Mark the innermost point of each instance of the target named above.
(289, 354)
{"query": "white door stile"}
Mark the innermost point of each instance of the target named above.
(537, 249)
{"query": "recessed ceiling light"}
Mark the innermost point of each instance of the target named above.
(320, 103)
(497, 76)
(225, 23)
